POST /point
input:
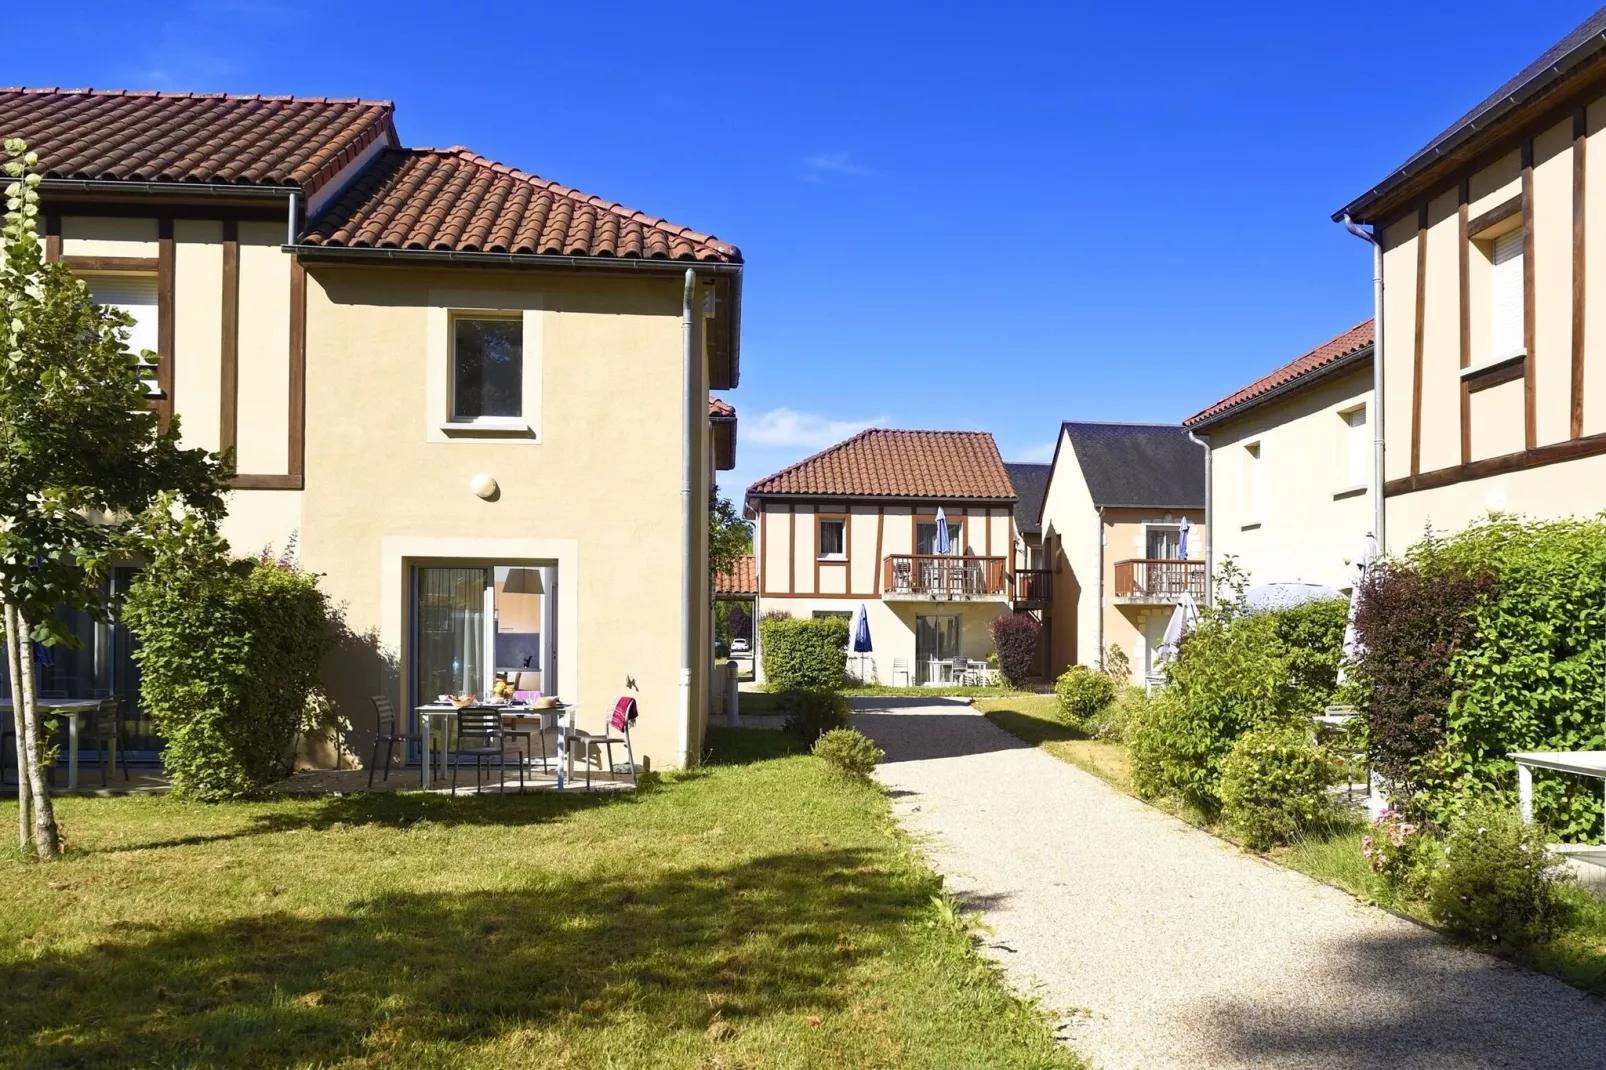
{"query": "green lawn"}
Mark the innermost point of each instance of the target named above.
(1331, 854)
(754, 913)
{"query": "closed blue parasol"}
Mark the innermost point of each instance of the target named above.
(1182, 541)
(861, 631)
(943, 545)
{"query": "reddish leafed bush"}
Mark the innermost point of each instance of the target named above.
(1015, 639)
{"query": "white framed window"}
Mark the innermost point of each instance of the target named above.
(135, 295)
(1506, 296)
(1162, 542)
(1354, 452)
(833, 540)
(1253, 485)
(926, 536)
(487, 368)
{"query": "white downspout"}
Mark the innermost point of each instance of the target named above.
(688, 529)
(1098, 652)
(1378, 514)
(1210, 497)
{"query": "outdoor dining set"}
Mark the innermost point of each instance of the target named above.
(497, 735)
(97, 721)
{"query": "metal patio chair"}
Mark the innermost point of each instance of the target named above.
(480, 736)
(385, 735)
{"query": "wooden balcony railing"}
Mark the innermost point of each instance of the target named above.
(944, 576)
(1156, 580)
(1034, 586)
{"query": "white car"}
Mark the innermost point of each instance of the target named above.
(740, 646)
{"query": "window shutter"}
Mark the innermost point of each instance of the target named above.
(1505, 297)
(135, 295)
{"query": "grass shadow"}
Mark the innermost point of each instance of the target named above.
(724, 745)
(1034, 730)
(393, 976)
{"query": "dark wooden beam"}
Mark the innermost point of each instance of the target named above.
(1530, 425)
(1464, 262)
(1580, 143)
(1498, 214)
(139, 264)
(298, 368)
(1555, 453)
(166, 317)
(229, 373)
(1421, 329)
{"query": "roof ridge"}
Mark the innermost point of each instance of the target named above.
(175, 94)
(628, 214)
(1117, 423)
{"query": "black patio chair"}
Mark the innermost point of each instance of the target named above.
(480, 736)
(106, 734)
(385, 735)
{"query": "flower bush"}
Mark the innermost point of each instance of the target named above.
(1083, 694)
(1015, 642)
(1498, 884)
(1401, 853)
(848, 752)
(1274, 783)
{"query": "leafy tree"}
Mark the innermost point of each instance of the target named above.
(81, 459)
(729, 536)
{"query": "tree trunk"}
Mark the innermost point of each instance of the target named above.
(46, 836)
(24, 796)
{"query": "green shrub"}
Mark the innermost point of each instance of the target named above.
(1274, 783)
(228, 655)
(848, 752)
(1498, 884)
(811, 714)
(1111, 724)
(1155, 734)
(804, 653)
(1083, 694)
(1312, 638)
(1402, 853)
(1514, 661)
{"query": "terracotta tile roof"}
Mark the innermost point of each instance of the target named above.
(1351, 341)
(899, 464)
(455, 200)
(720, 410)
(192, 137)
(741, 579)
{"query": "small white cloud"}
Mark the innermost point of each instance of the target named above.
(1041, 453)
(791, 429)
(818, 167)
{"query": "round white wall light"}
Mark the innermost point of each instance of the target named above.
(484, 486)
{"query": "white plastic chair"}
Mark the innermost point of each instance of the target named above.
(900, 665)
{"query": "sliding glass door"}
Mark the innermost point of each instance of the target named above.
(449, 615)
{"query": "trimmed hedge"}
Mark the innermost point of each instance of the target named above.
(1015, 638)
(1274, 783)
(1083, 694)
(804, 653)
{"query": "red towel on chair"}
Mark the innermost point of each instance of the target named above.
(624, 714)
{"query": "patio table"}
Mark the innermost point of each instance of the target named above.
(71, 708)
(437, 716)
(1590, 763)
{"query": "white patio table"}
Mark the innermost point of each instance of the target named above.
(74, 710)
(1590, 763)
(436, 717)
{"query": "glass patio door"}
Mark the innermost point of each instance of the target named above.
(936, 641)
(449, 618)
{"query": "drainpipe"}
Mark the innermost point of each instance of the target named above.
(1378, 516)
(290, 222)
(688, 529)
(1100, 648)
(1210, 497)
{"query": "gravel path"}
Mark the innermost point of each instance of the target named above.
(1165, 947)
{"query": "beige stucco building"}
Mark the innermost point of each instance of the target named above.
(476, 400)
(1290, 475)
(858, 524)
(1493, 270)
(1119, 499)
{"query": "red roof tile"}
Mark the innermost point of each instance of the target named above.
(455, 200)
(899, 464)
(720, 410)
(1356, 338)
(114, 134)
(741, 579)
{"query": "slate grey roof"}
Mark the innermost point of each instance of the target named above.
(1031, 483)
(1533, 81)
(1144, 465)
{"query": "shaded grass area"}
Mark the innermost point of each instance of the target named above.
(1330, 853)
(753, 913)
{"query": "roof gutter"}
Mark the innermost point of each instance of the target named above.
(639, 265)
(1479, 122)
(1348, 360)
(210, 189)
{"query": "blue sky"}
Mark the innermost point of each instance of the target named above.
(971, 216)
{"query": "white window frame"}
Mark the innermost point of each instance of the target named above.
(444, 308)
(513, 422)
(838, 555)
(1254, 485)
(1354, 454)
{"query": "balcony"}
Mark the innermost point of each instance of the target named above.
(943, 578)
(1154, 581)
(1034, 588)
